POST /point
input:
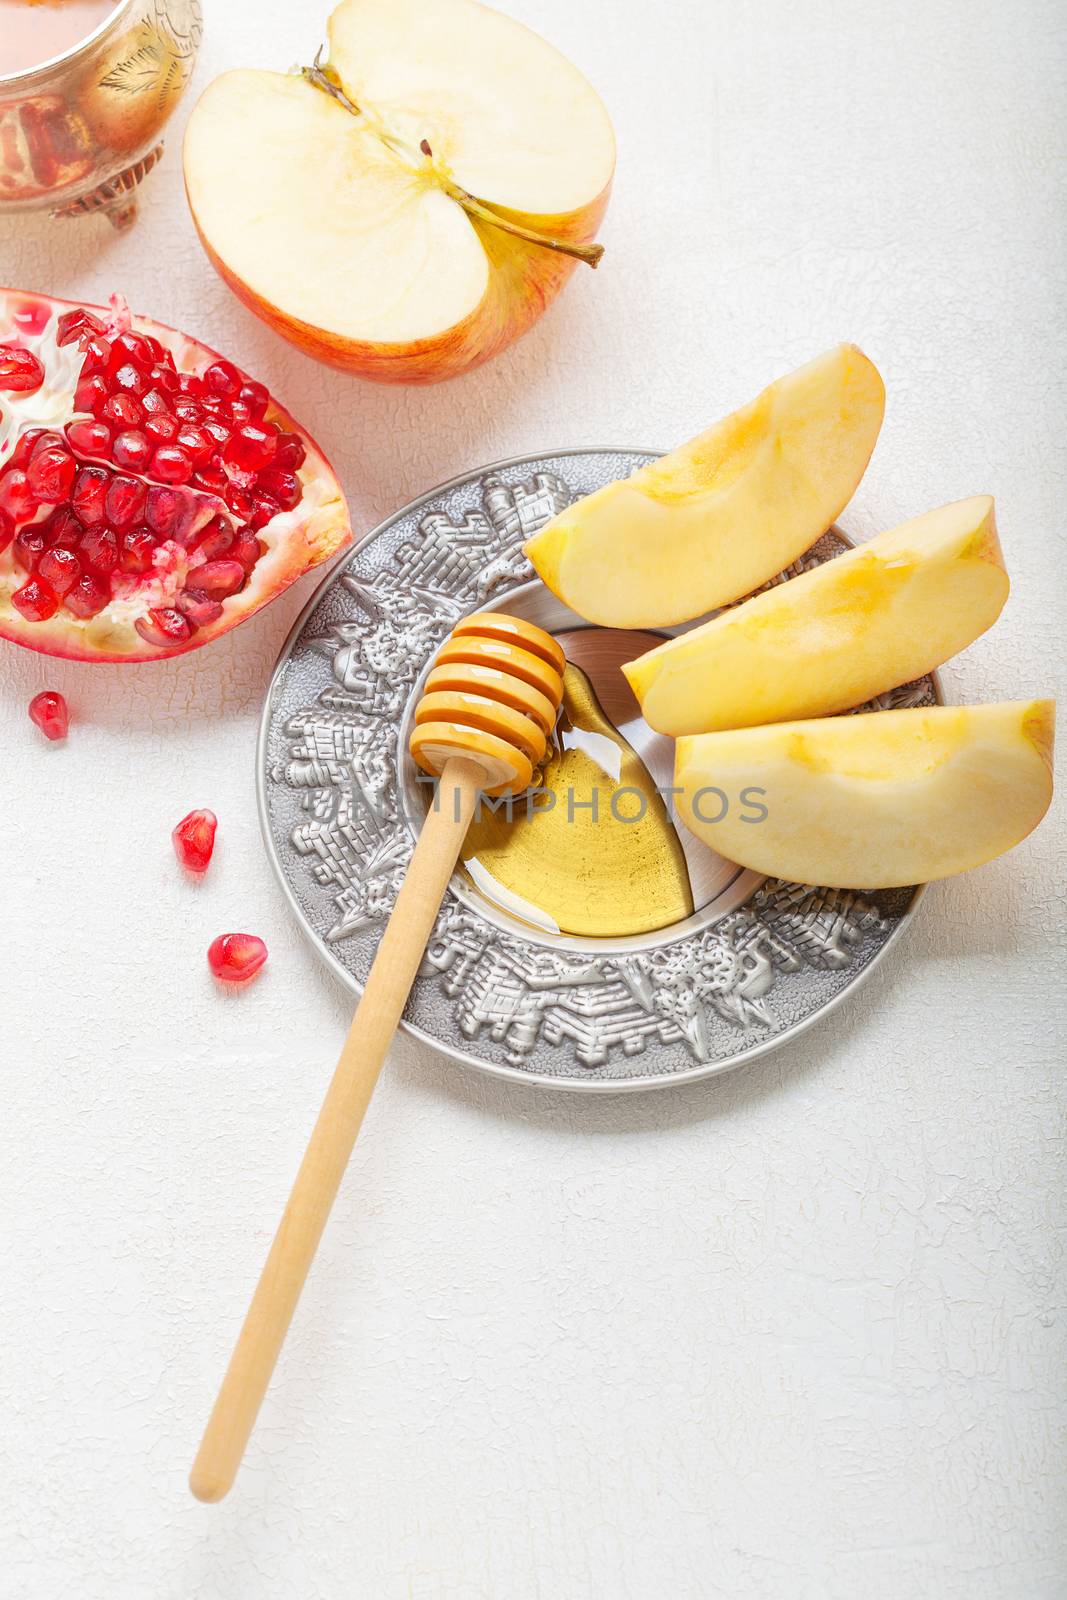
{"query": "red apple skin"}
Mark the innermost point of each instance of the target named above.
(523, 279)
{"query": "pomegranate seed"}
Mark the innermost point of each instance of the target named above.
(247, 550)
(90, 492)
(97, 354)
(188, 383)
(194, 840)
(63, 527)
(60, 568)
(128, 379)
(264, 510)
(49, 711)
(7, 529)
(125, 502)
(35, 600)
(189, 410)
(158, 351)
(164, 511)
(16, 496)
(214, 539)
(132, 449)
(24, 448)
(132, 348)
(290, 454)
(29, 547)
(88, 596)
(281, 486)
(239, 501)
(164, 626)
(236, 957)
(251, 448)
(197, 441)
(99, 550)
(46, 441)
(72, 324)
(255, 396)
(219, 578)
(211, 477)
(91, 394)
(240, 413)
(137, 548)
(32, 316)
(164, 376)
(122, 411)
(198, 608)
(50, 474)
(222, 378)
(172, 464)
(89, 438)
(161, 427)
(20, 370)
(155, 403)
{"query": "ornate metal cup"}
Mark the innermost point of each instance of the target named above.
(79, 132)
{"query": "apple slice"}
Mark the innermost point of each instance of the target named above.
(720, 515)
(865, 622)
(873, 801)
(411, 209)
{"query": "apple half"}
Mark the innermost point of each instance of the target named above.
(717, 517)
(410, 209)
(878, 616)
(875, 801)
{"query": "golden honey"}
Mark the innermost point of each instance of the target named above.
(592, 852)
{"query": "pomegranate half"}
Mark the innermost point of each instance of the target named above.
(152, 496)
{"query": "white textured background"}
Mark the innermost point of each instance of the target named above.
(798, 1333)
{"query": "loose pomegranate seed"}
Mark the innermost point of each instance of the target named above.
(194, 840)
(89, 438)
(7, 529)
(214, 539)
(164, 511)
(290, 455)
(20, 370)
(127, 379)
(219, 578)
(29, 547)
(60, 568)
(50, 474)
(49, 711)
(35, 600)
(16, 496)
(164, 626)
(255, 397)
(72, 324)
(136, 553)
(222, 378)
(63, 527)
(172, 464)
(161, 427)
(236, 957)
(132, 449)
(281, 486)
(91, 394)
(122, 411)
(125, 502)
(88, 596)
(251, 448)
(99, 550)
(90, 492)
(198, 608)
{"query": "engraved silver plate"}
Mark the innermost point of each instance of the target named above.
(758, 960)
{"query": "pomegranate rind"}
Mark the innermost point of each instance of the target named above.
(296, 541)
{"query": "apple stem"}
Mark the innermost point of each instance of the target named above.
(323, 78)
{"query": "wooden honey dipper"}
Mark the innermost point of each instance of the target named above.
(482, 724)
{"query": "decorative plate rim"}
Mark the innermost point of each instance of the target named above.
(512, 1074)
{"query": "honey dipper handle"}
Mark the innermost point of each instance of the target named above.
(373, 1026)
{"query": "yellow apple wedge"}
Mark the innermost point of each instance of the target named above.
(409, 209)
(873, 801)
(720, 515)
(873, 618)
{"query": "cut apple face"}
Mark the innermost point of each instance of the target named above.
(411, 209)
(720, 515)
(876, 801)
(878, 616)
